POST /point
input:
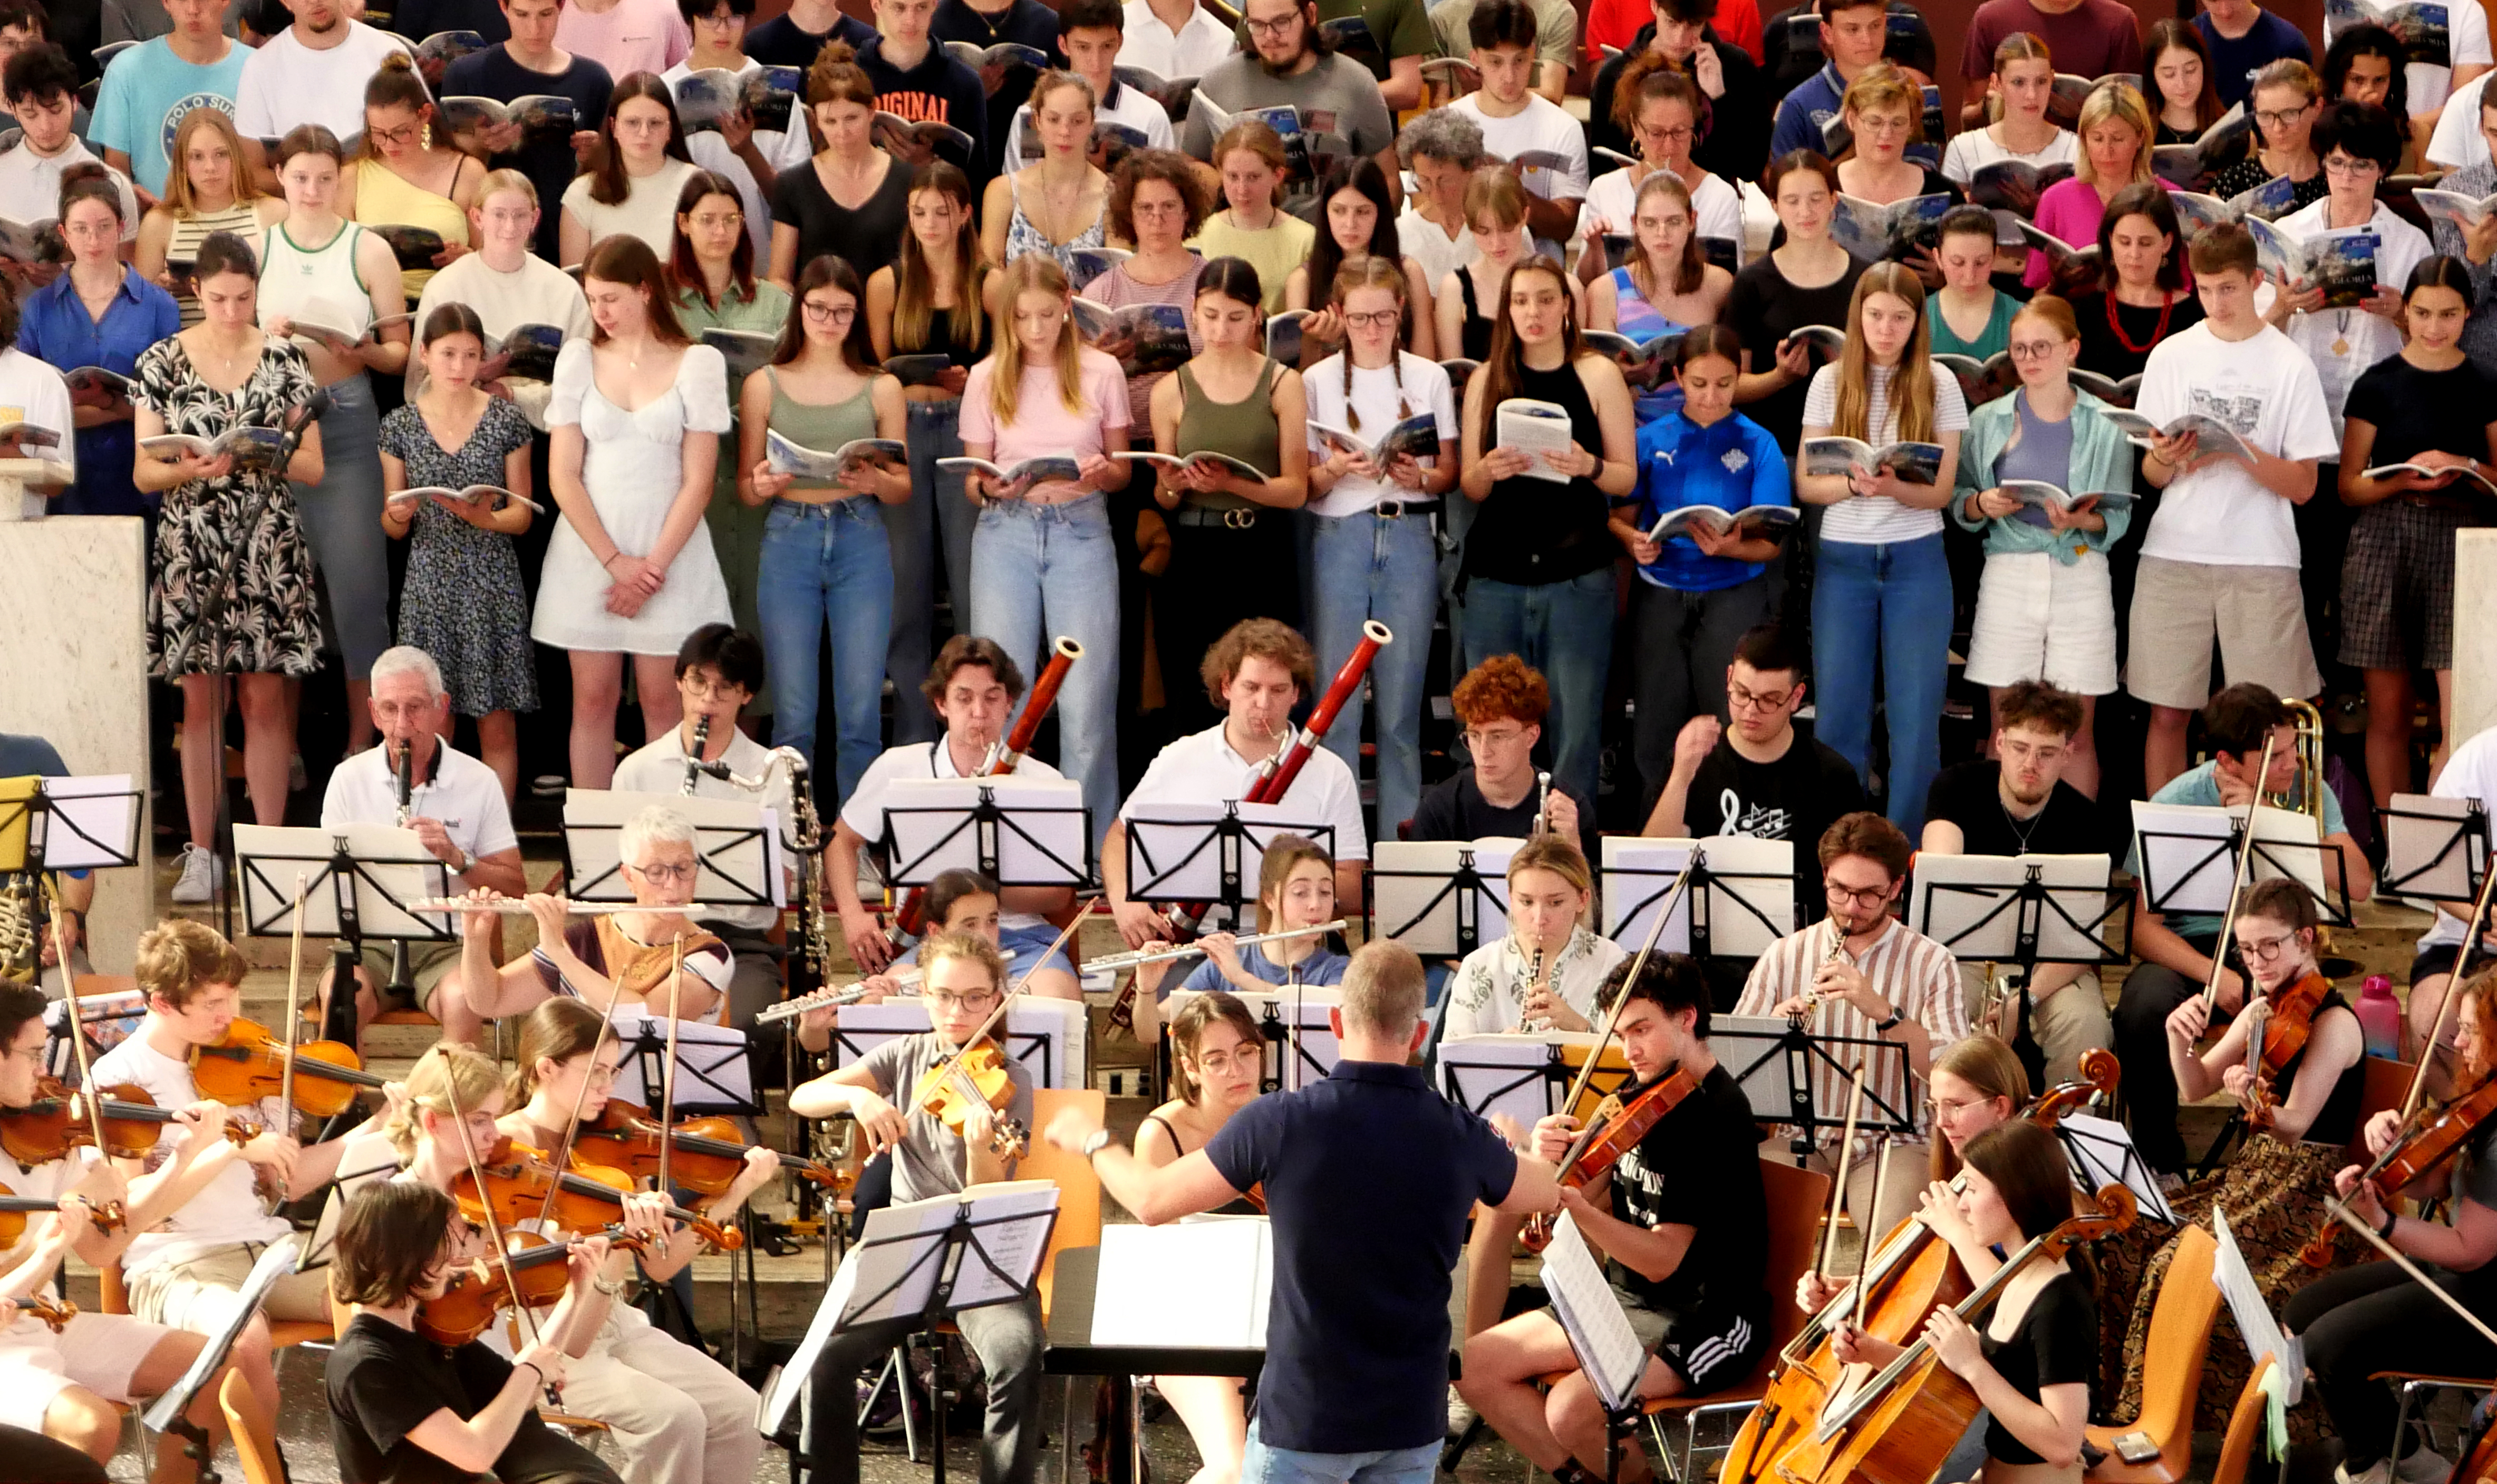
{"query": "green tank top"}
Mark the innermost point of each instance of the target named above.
(1245, 429)
(822, 427)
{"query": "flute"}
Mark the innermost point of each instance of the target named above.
(513, 906)
(903, 975)
(1169, 951)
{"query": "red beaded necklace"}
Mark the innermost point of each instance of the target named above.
(2166, 304)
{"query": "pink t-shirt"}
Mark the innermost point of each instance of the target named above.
(2070, 210)
(1042, 424)
(636, 36)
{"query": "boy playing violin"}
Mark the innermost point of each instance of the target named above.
(963, 982)
(186, 1272)
(1684, 1218)
(64, 1383)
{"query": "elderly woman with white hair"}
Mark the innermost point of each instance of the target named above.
(455, 804)
(1442, 150)
(609, 960)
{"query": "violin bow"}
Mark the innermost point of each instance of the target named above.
(562, 1152)
(2238, 886)
(87, 1089)
(2349, 1220)
(1837, 1187)
(668, 1075)
(997, 1017)
(295, 1011)
(494, 1228)
(2452, 992)
(1870, 1237)
(1638, 963)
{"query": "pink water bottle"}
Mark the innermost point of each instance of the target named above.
(2379, 1017)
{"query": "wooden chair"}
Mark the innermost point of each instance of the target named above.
(2386, 1084)
(259, 1453)
(2180, 1337)
(2245, 1426)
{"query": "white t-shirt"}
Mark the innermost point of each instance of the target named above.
(2265, 389)
(1874, 520)
(2344, 342)
(33, 392)
(2466, 42)
(463, 794)
(864, 810)
(228, 1211)
(30, 185)
(2470, 773)
(1416, 384)
(1541, 126)
(1201, 768)
(1968, 153)
(1188, 52)
(43, 1183)
(2457, 142)
(660, 769)
(649, 210)
(1124, 105)
(1715, 209)
(286, 84)
(780, 149)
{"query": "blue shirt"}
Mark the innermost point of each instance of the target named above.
(146, 92)
(1802, 113)
(1319, 970)
(1368, 1175)
(1731, 463)
(2235, 63)
(2199, 785)
(54, 326)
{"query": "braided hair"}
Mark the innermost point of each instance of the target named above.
(1371, 272)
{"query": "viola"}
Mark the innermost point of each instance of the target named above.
(15, 1209)
(476, 1295)
(518, 1185)
(250, 1064)
(972, 1081)
(1615, 1131)
(2428, 1138)
(47, 1128)
(706, 1155)
(2287, 1020)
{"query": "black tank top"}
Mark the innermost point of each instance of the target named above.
(2338, 1122)
(1531, 531)
(1474, 333)
(1238, 1208)
(940, 341)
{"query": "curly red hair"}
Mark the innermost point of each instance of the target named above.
(1503, 686)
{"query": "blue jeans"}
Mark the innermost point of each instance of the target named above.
(825, 564)
(1889, 604)
(1042, 571)
(1262, 1465)
(937, 510)
(1367, 566)
(1565, 630)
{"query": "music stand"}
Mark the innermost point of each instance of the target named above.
(358, 880)
(1740, 901)
(2187, 858)
(1773, 1061)
(85, 822)
(924, 1260)
(1019, 832)
(714, 1065)
(1524, 1074)
(1208, 852)
(1293, 1019)
(2029, 909)
(1441, 898)
(164, 1416)
(2436, 849)
(736, 847)
(1045, 1035)
(2100, 1153)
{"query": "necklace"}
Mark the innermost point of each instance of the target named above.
(2166, 304)
(2012, 822)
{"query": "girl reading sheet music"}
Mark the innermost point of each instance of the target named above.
(208, 188)
(1056, 207)
(408, 172)
(2176, 68)
(1157, 202)
(630, 182)
(1805, 282)
(2286, 100)
(1252, 223)
(1666, 288)
(2018, 91)
(852, 198)
(1658, 107)
(101, 313)
(1468, 307)
(1360, 222)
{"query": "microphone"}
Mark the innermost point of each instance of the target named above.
(312, 409)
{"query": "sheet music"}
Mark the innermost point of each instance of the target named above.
(1420, 910)
(928, 820)
(94, 822)
(2189, 876)
(731, 863)
(1045, 1035)
(789, 1382)
(2430, 850)
(2255, 1323)
(1176, 857)
(1511, 1072)
(1637, 873)
(392, 867)
(1982, 924)
(1015, 1229)
(1202, 1283)
(1745, 915)
(1600, 1331)
(2101, 1154)
(278, 1260)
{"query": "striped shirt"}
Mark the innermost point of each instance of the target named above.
(1909, 971)
(1873, 520)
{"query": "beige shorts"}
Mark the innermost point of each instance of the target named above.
(100, 1352)
(2257, 614)
(427, 965)
(203, 1294)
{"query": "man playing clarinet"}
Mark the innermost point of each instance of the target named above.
(1256, 673)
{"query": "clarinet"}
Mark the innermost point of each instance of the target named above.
(694, 754)
(402, 982)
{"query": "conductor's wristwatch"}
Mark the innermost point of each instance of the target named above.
(1094, 1143)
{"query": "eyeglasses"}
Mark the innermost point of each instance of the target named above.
(719, 221)
(404, 133)
(1740, 699)
(663, 875)
(1881, 123)
(1863, 897)
(2264, 950)
(2033, 350)
(601, 1074)
(1494, 736)
(966, 1004)
(1278, 26)
(1376, 319)
(2343, 166)
(834, 314)
(2283, 119)
(705, 689)
(33, 1055)
(1671, 136)
(1944, 1108)
(1221, 1061)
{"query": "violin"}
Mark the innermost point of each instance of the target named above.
(1615, 1131)
(2428, 1138)
(15, 1209)
(2286, 1021)
(973, 1081)
(56, 1314)
(706, 1153)
(475, 1296)
(47, 1128)
(250, 1064)
(519, 1184)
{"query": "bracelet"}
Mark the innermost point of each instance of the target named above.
(2385, 1231)
(610, 1286)
(534, 1366)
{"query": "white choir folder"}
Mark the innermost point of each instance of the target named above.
(1202, 1283)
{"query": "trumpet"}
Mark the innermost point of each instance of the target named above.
(903, 975)
(1137, 958)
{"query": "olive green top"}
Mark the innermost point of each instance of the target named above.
(822, 427)
(1245, 429)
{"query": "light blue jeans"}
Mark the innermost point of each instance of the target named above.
(1887, 605)
(1565, 630)
(1370, 566)
(826, 564)
(937, 510)
(1042, 571)
(1262, 1465)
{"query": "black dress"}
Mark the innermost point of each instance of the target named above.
(1764, 308)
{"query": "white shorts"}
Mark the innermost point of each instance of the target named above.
(2040, 619)
(100, 1352)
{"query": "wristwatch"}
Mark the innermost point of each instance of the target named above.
(1885, 1028)
(1094, 1143)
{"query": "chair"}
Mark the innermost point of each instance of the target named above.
(2172, 1379)
(2245, 1425)
(2387, 1083)
(259, 1453)
(2413, 1383)
(1078, 1190)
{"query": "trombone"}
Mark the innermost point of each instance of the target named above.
(2306, 790)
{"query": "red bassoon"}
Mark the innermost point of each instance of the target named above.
(1003, 758)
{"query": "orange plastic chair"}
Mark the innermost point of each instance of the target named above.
(259, 1453)
(2245, 1426)
(2171, 1380)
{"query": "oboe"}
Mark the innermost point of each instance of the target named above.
(1533, 977)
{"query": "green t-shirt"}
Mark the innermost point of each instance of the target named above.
(1274, 252)
(1995, 337)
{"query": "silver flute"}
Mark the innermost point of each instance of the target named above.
(1112, 963)
(901, 976)
(513, 906)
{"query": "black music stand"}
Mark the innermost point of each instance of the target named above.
(734, 864)
(2003, 907)
(77, 823)
(164, 1416)
(2436, 849)
(1694, 927)
(1014, 845)
(1443, 913)
(1199, 854)
(1774, 1064)
(1494, 1073)
(2196, 872)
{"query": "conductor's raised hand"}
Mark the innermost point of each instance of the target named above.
(1552, 1135)
(1070, 1128)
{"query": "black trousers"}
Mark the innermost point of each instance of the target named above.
(31, 1458)
(2151, 992)
(2376, 1317)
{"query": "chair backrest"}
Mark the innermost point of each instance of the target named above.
(258, 1452)
(1796, 1198)
(2245, 1425)
(2386, 1084)
(2180, 1337)
(113, 1295)
(1078, 1190)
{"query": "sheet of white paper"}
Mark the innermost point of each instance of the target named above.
(1746, 1045)
(1599, 1333)
(2431, 856)
(2255, 1323)
(1637, 873)
(393, 866)
(94, 822)
(1175, 857)
(1420, 912)
(276, 1262)
(1045, 1035)
(1013, 1231)
(731, 863)
(1504, 1073)
(1979, 924)
(790, 1382)
(1200, 1284)
(2187, 883)
(2101, 1154)
(927, 819)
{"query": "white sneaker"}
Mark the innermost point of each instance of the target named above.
(1461, 1414)
(2381, 1471)
(2424, 1466)
(202, 872)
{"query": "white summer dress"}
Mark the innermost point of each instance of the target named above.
(633, 467)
